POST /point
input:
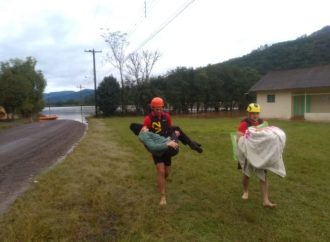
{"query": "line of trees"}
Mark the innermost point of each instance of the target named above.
(21, 87)
(184, 89)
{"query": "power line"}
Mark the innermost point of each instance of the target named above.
(167, 22)
(147, 10)
(149, 7)
(136, 24)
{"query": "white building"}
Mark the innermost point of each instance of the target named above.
(298, 93)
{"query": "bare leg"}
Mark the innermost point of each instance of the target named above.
(245, 183)
(167, 171)
(186, 140)
(264, 193)
(161, 182)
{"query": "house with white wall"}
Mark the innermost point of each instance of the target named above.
(297, 93)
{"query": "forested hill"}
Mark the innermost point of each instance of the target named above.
(69, 97)
(303, 52)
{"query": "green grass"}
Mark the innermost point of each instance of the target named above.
(106, 190)
(5, 124)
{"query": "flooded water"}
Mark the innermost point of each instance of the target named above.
(77, 113)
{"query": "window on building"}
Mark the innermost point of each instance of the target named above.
(271, 98)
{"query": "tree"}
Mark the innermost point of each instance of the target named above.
(21, 86)
(135, 68)
(139, 67)
(108, 95)
(211, 87)
(176, 89)
(117, 43)
(149, 60)
(236, 83)
(199, 88)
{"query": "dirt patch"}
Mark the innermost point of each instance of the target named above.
(27, 150)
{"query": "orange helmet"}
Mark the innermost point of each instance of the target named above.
(157, 102)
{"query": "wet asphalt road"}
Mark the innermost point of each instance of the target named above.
(27, 150)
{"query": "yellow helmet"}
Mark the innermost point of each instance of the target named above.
(253, 108)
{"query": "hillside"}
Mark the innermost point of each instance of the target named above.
(68, 96)
(303, 52)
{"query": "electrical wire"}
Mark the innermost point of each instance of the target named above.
(151, 5)
(167, 22)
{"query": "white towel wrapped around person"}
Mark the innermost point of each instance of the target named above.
(262, 148)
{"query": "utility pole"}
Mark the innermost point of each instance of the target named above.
(81, 111)
(94, 71)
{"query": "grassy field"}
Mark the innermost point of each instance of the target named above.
(106, 190)
(9, 124)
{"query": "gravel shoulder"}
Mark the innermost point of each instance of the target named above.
(29, 149)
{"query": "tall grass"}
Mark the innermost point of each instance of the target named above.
(106, 190)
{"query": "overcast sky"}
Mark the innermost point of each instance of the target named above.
(57, 33)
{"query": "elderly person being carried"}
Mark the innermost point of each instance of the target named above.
(158, 145)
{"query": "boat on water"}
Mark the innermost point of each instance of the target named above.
(47, 117)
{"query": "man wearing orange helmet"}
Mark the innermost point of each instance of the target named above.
(253, 119)
(160, 122)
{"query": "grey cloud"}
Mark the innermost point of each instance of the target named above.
(63, 62)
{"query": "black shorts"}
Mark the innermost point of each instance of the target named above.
(165, 158)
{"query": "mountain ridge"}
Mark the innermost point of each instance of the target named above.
(304, 51)
(68, 96)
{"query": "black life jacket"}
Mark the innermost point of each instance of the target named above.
(159, 125)
(249, 122)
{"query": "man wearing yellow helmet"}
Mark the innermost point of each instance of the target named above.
(253, 119)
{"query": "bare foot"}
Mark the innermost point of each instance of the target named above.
(245, 196)
(162, 200)
(269, 205)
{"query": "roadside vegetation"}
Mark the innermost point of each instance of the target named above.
(105, 190)
(21, 87)
(6, 124)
